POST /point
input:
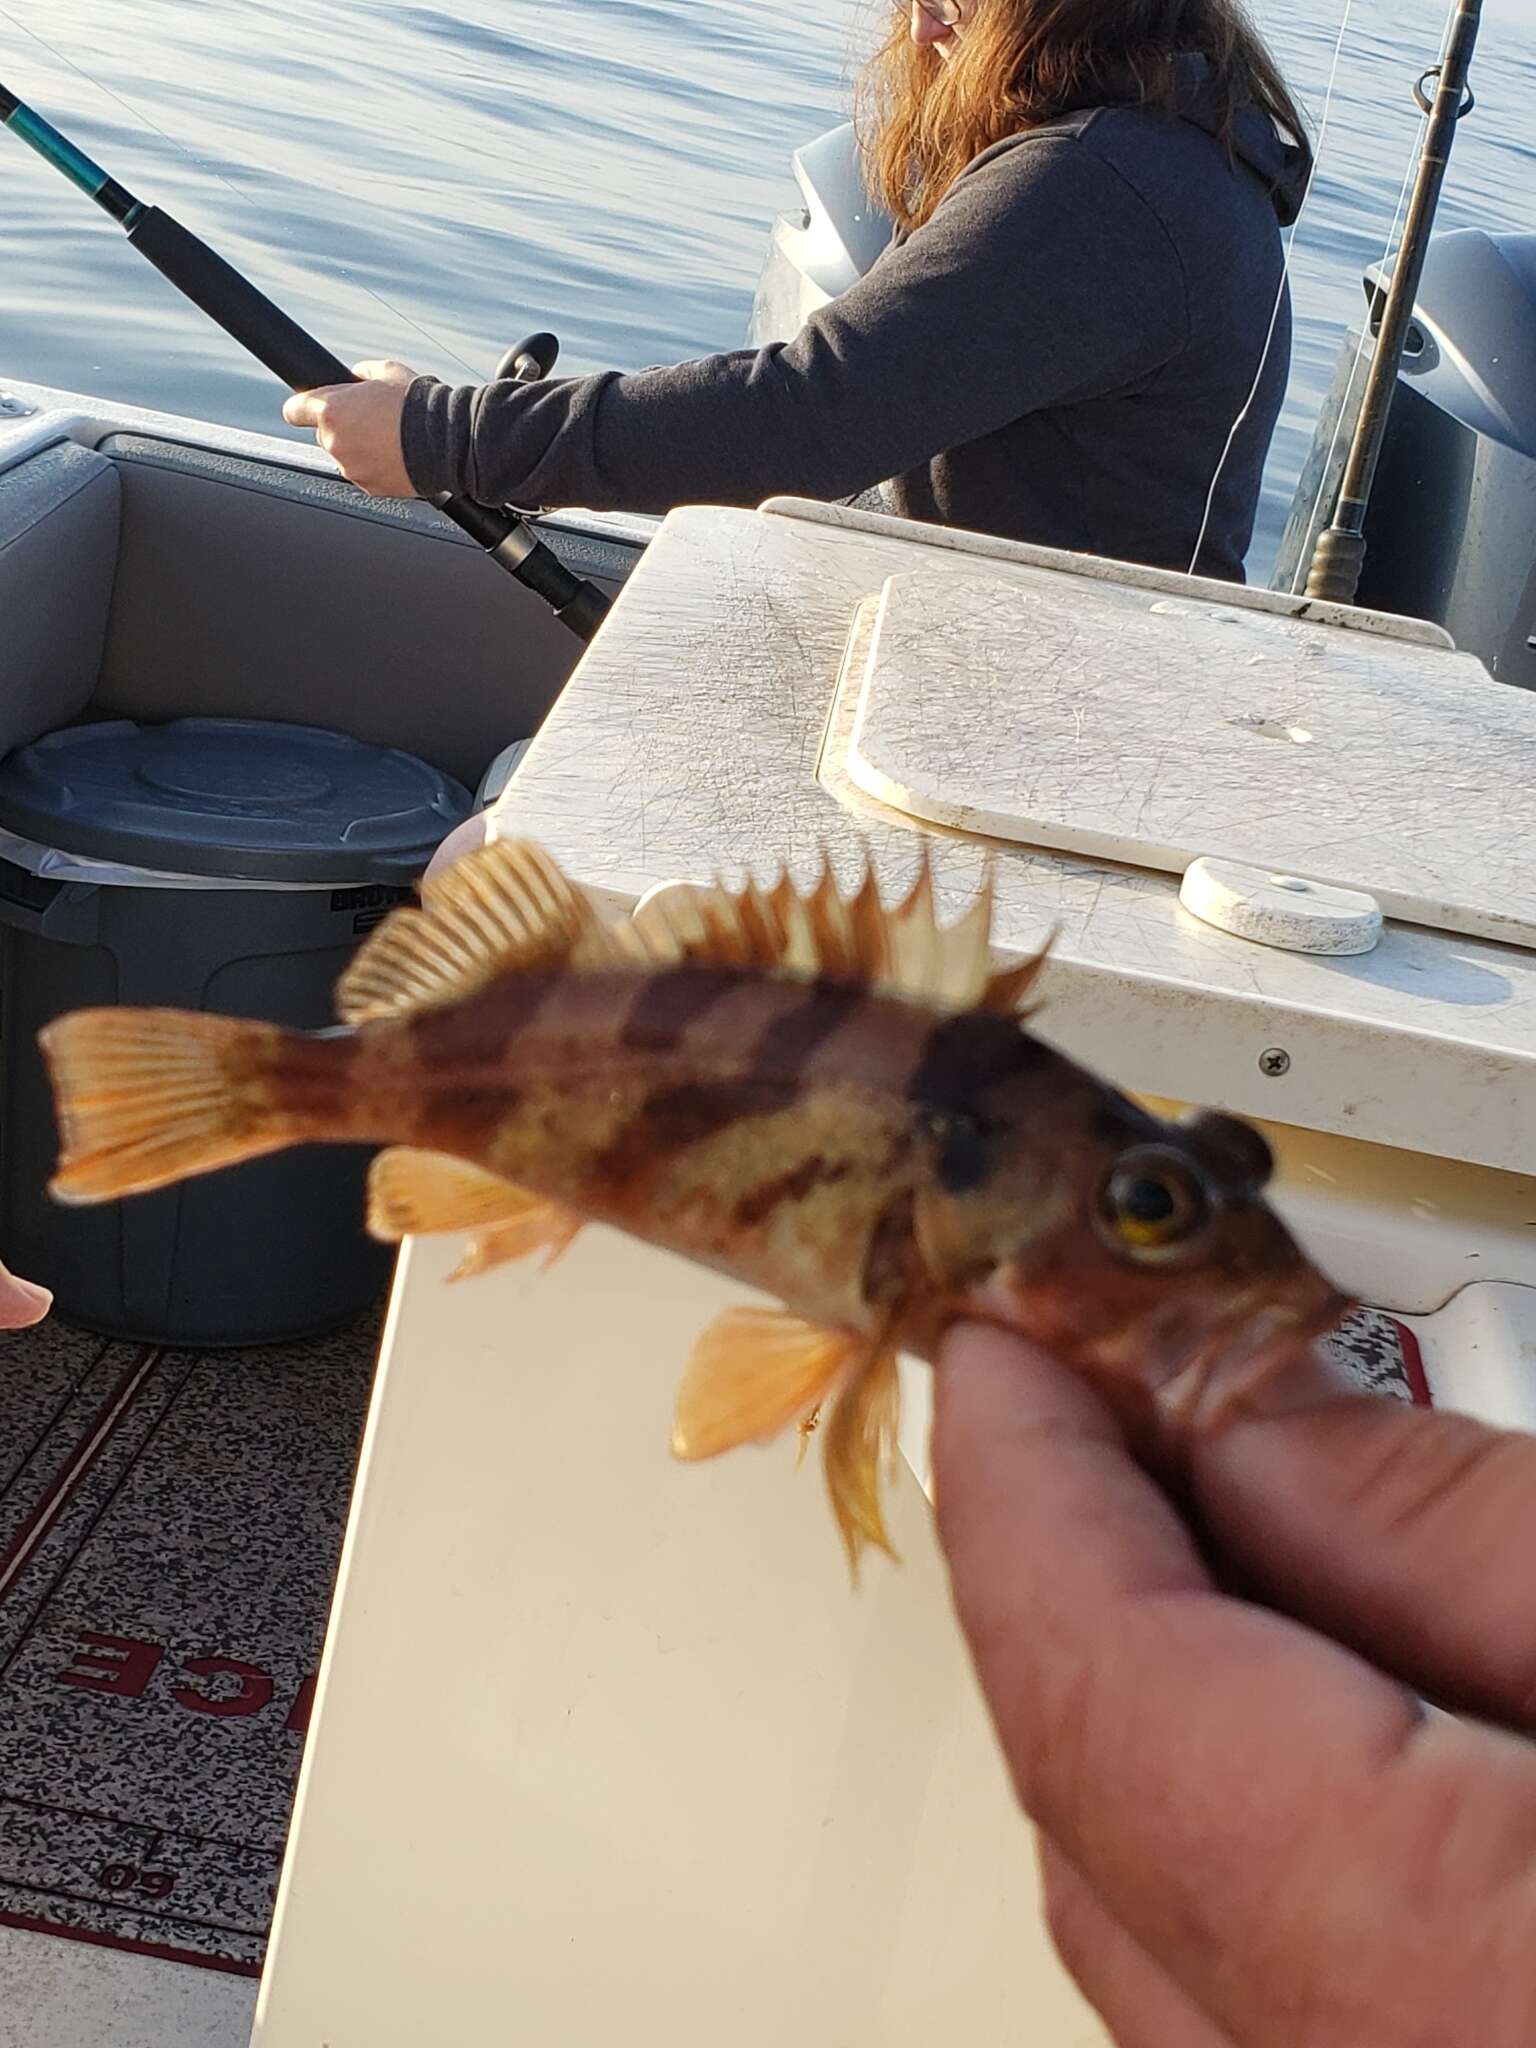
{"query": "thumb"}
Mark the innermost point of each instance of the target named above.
(1403, 1534)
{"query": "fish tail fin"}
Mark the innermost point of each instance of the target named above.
(148, 1097)
(860, 1442)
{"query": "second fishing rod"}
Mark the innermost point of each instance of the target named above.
(249, 317)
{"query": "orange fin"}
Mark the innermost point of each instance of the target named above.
(542, 1227)
(828, 933)
(861, 1442)
(419, 1194)
(752, 1373)
(1008, 987)
(148, 1097)
(504, 909)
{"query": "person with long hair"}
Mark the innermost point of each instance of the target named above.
(1078, 336)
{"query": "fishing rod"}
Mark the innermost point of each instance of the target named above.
(1339, 555)
(294, 355)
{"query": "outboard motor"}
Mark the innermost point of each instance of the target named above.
(815, 256)
(1451, 527)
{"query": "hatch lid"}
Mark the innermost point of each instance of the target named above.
(1154, 730)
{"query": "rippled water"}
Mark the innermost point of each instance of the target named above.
(607, 168)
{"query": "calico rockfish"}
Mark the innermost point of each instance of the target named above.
(833, 1101)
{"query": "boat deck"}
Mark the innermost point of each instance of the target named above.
(170, 1523)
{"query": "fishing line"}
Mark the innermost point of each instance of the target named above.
(1304, 560)
(324, 264)
(1284, 285)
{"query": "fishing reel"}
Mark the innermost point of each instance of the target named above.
(529, 361)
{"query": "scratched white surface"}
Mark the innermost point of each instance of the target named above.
(1171, 729)
(705, 730)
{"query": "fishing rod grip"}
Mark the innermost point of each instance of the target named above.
(512, 542)
(244, 313)
(303, 364)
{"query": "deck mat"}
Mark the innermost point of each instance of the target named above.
(170, 1524)
(1381, 1355)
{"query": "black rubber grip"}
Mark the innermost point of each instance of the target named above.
(234, 302)
(585, 612)
(250, 318)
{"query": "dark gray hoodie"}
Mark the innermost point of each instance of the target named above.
(1058, 354)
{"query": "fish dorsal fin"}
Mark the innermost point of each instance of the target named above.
(506, 908)
(824, 933)
(1008, 988)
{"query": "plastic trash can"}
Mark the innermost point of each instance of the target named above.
(206, 864)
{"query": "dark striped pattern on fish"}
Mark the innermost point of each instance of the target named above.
(835, 1103)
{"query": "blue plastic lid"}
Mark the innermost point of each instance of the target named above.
(234, 797)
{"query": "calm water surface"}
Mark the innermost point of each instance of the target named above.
(432, 181)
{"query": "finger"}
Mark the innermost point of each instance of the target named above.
(384, 371)
(1251, 1803)
(307, 408)
(1138, 2002)
(1402, 1533)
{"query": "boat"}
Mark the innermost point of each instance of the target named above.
(583, 1743)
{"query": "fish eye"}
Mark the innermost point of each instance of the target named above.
(1152, 1204)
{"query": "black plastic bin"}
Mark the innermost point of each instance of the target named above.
(325, 834)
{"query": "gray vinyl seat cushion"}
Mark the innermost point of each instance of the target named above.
(59, 521)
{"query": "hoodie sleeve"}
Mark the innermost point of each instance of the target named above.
(1041, 279)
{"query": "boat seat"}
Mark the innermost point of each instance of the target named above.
(249, 590)
(59, 519)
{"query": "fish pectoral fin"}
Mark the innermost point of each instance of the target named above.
(423, 1194)
(752, 1373)
(860, 1443)
(506, 908)
(148, 1097)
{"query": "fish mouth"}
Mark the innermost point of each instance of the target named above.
(1193, 1365)
(1203, 1388)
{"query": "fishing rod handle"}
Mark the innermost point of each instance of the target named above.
(512, 543)
(244, 313)
(304, 364)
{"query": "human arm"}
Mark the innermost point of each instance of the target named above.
(1253, 1833)
(1042, 278)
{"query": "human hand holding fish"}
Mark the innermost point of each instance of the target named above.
(835, 1101)
(1253, 1833)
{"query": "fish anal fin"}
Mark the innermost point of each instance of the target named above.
(752, 1373)
(542, 1227)
(860, 1442)
(418, 1194)
(506, 908)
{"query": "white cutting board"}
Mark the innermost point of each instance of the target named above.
(1156, 730)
